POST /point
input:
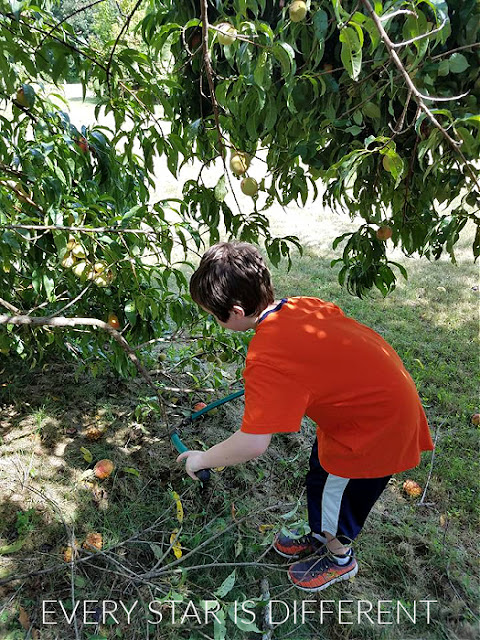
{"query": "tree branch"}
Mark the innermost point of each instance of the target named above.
(209, 72)
(70, 15)
(449, 53)
(397, 45)
(9, 306)
(22, 320)
(115, 44)
(416, 93)
(54, 227)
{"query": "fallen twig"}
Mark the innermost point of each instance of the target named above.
(437, 433)
(267, 622)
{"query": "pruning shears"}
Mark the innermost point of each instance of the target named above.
(204, 474)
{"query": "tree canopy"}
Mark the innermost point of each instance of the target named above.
(376, 102)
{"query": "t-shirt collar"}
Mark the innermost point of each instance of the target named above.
(277, 308)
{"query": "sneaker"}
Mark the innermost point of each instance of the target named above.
(290, 547)
(316, 574)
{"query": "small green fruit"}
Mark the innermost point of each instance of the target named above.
(249, 186)
(100, 267)
(79, 269)
(68, 261)
(387, 163)
(239, 163)
(297, 11)
(227, 33)
(78, 251)
(101, 281)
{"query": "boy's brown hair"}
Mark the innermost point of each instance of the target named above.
(232, 273)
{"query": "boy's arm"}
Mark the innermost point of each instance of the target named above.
(239, 447)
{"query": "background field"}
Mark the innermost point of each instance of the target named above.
(408, 551)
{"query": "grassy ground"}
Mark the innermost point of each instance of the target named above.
(407, 552)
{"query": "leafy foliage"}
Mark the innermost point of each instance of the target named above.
(318, 98)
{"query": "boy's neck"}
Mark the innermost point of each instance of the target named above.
(270, 307)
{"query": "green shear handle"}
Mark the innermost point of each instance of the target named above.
(203, 474)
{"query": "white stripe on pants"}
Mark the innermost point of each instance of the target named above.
(331, 502)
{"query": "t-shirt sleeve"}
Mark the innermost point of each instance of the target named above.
(274, 402)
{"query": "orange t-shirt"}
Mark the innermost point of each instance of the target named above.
(308, 358)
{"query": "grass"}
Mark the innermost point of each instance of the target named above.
(407, 553)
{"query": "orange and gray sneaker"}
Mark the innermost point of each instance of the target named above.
(319, 572)
(294, 546)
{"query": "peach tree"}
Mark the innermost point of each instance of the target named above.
(370, 106)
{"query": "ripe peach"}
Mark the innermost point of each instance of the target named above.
(475, 419)
(93, 542)
(113, 321)
(103, 469)
(412, 488)
(384, 233)
(199, 406)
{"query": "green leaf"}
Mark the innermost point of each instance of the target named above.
(130, 312)
(9, 238)
(226, 586)
(285, 54)
(351, 53)
(87, 454)
(219, 626)
(244, 624)
(371, 110)
(220, 190)
(444, 68)
(16, 7)
(340, 13)
(131, 471)
(458, 63)
(290, 514)
(259, 73)
(320, 24)
(79, 581)
(49, 284)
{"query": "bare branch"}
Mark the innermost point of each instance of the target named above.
(21, 194)
(209, 72)
(387, 16)
(9, 306)
(443, 99)
(54, 227)
(399, 125)
(422, 499)
(394, 55)
(397, 45)
(420, 99)
(72, 302)
(449, 53)
(115, 44)
(22, 320)
(70, 15)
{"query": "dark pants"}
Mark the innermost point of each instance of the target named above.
(339, 506)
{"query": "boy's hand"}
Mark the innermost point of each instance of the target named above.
(194, 462)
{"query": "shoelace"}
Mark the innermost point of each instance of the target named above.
(304, 539)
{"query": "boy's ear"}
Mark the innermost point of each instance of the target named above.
(238, 311)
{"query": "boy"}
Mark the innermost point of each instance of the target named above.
(308, 358)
